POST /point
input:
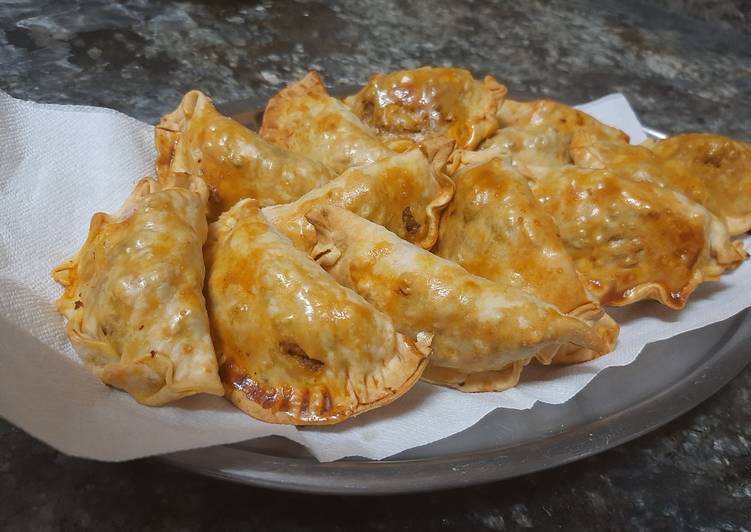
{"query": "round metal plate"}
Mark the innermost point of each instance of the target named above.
(620, 404)
(667, 379)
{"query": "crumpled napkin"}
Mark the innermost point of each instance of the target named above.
(60, 164)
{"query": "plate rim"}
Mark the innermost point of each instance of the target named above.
(391, 476)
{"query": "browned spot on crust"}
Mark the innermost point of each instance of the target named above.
(713, 159)
(78, 304)
(367, 110)
(678, 298)
(254, 391)
(304, 401)
(321, 254)
(410, 224)
(285, 400)
(326, 402)
(230, 373)
(404, 288)
(295, 351)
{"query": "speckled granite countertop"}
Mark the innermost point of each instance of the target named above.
(685, 65)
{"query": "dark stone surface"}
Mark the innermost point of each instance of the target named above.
(692, 474)
(685, 66)
(729, 13)
(139, 57)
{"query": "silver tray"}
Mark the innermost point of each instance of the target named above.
(667, 379)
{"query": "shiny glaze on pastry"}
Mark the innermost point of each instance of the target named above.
(431, 101)
(235, 162)
(536, 135)
(723, 164)
(404, 192)
(304, 119)
(477, 326)
(133, 297)
(563, 119)
(495, 228)
(633, 240)
(294, 346)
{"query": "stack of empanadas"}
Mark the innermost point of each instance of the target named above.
(425, 226)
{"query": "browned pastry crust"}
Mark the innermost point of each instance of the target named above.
(427, 101)
(537, 135)
(234, 161)
(133, 295)
(724, 166)
(495, 228)
(404, 192)
(633, 240)
(304, 119)
(294, 346)
(478, 326)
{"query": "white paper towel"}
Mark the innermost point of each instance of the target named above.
(60, 164)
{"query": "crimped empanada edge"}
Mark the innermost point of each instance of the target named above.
(438, 151)
(168, 134)
(270, 128)
(72, 309)
(483, 381)
(407, 348)
(604, 326)
(738, 225)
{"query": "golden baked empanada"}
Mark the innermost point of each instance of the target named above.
(641, 164)
(235, 162)
(133, 297)
(431, 101)
(293, 345)
(304, 119)
(723, 165)
(481, 381)
(633, 240)
(536, 135)
(561, 118)
(530, 150)
(478, 326)
(404, 192)
(495, 228)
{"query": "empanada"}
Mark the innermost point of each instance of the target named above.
(430, 101)
(304, 119)
(561, 118)
(641, 164)
(633, 240)
(235, 162)
(293, 345)
(495, 228)
(723, 165)
(404, 192)
(536, 135)
(529, 150)
(478, 326)
(133, 297)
